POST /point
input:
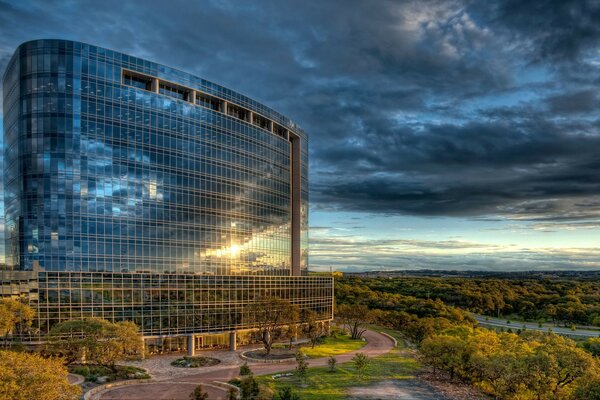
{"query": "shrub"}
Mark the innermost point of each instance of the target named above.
(286, 393)
(245, 370)
(249, 387)
(332, 362)
(301, 364)
(232, 394)
(361, 362)
(198, 394)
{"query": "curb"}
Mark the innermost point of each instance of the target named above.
(90, 394)
(393, 339)
(281, 361)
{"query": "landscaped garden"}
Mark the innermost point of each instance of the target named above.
(195, 362)
(103, 374)
(337, 343)
(327, 383)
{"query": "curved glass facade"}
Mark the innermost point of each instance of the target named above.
(134, 191)
(105, 172)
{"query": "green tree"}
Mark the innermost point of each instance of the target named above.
(555, 364)
(361, 362)
(245, 370)
(445, 352)
(588, 387)
(332, 363)
(592, 345)
(286, 393)
(199, 393)
(96, 341)
(355, 318)
(249, 388)
(232, 394)
(271, 314)
(15, 316)
(26, 376)
(301, 364)
(312, 328)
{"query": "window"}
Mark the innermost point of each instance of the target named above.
(208, 102)
(236, 111)
(172, 91)
(136, 80)
(261, 122)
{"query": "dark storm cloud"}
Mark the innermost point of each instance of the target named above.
(453, 108)
(549, 29)
(583, 101)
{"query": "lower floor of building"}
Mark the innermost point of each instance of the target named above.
(168, 308)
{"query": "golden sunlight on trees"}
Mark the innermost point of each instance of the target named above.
(96, 341)
(26, 376)
(15, 316)
(531, 365)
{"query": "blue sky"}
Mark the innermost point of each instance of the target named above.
(443, 134)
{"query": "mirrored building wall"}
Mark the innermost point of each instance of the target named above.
(118, 164)
(134, 191)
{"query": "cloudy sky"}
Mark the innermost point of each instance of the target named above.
(443, 134)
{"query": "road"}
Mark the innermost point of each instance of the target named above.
(533, 326)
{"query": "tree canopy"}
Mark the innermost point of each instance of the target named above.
(25, 376)
(15, 316)
(271, 314)
(96, 341)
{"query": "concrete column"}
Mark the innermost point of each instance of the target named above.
(191, 346)
(143, 348)
(232, 341)
(296, 205)
(271, 126)
(224, 105)
(251, 117)
(192, 94)
(155, 85)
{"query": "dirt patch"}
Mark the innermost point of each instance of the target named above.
(405, 389)
(452, 390)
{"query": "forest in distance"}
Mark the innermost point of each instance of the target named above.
(435, 315)
(556, 298)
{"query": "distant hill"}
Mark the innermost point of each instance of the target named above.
(595, 274)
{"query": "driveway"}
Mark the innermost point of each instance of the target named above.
(171, 386)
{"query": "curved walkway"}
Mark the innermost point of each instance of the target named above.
(180, 387)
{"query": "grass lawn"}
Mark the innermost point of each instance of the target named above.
(334, 345)
(320, 384)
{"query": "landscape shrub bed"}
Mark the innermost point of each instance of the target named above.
(194, 362)
(92, 373)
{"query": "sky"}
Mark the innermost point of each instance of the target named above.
(443, 134)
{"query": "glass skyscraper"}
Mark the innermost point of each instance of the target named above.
(137, 191)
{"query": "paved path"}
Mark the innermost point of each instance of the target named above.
(179, 387)
(162, 390)
(533, 326)
(75, 379)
